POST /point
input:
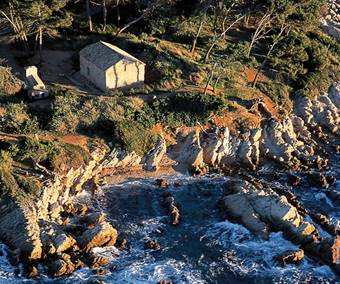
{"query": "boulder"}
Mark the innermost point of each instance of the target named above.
(102, 234)
(63, 242)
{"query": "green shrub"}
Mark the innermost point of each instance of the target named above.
(133, 136)
(15, 119)
(69, 156)
(9, 83)
(30, 185)
(37, 150)
(278, 92)
(7, 181)
(186, 109)
(298, 56)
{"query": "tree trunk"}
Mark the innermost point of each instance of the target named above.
(204, 15)
(104, 15)
(88, 14)
(118, 11)
(146, 12)
(40, 37)
(215, 40)
(259, 31)
(17, 27)
(210, 78)
(216, 82)
(283, 28)
(40, 44)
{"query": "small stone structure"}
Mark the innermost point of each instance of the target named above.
(35, 87)
(111, 68)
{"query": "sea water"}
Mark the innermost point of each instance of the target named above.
(203, 248)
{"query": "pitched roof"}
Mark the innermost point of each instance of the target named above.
(104, 54)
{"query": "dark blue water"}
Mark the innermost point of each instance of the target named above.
(203, 249)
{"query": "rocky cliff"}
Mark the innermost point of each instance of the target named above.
(54, 229)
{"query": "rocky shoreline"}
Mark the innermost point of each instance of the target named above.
(60, 233)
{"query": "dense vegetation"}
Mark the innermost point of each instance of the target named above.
(196, 53)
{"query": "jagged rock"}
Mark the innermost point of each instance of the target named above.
(168, 201)
(152, 244)
(20, 228)
(61, 267)
(100, 271)
(291, 257)
(162, 182)
(63, 242)
(191, 153)
(215, 146)
(96, 261)
(273, 145)
(31, 272)
(319, 114)
(92, 219)
(291, 197)
(154, 158)
(318, 179)
(238, 208)
(121, 159)
(121, 243)
(102, 234)
(250, 205)
(323, 221)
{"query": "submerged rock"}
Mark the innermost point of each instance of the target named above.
(168, 201)
(291, 257)
(152, 244)
(162, 182)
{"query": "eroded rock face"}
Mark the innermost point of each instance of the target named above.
(191, 153)
(19, 227)
(156, 155)
(260, 209)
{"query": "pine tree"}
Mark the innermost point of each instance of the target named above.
(42, 18)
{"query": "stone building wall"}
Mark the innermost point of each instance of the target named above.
(93, 73)
(125, 74)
